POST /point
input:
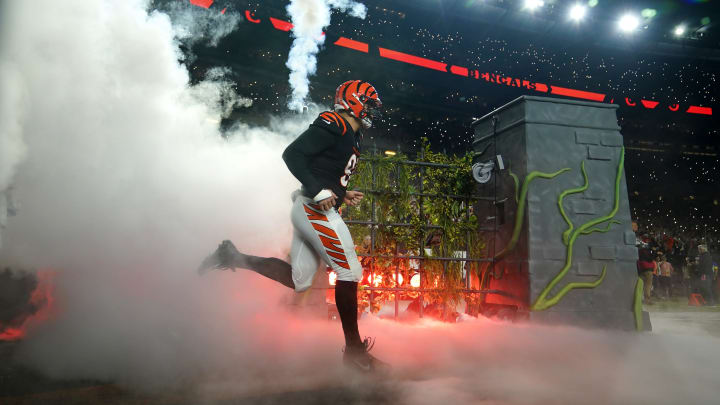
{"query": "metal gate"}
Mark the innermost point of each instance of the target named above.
(476, 267)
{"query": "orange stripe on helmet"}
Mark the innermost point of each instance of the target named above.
(347, 89)
(331, 243)
(364, 88)
(314, 215)
(336, 255)
(324, 229)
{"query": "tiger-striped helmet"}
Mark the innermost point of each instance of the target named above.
(360, 99)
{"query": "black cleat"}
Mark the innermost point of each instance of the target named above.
(225, 257)
(358, 358)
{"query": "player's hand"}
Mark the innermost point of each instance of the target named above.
(353, 198)
(328, 203)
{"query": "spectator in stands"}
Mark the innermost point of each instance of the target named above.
(687, 270)
(656, 277)
(645, 266)
(705, 270)
(665, 270)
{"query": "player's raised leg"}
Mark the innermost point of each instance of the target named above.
(227, 257)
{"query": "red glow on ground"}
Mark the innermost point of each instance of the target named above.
(202, 3)
(459, 70)
(587, 95)
(649, 104)
(41, 298)
(281, 25)
(12, 334)
(413, 60)
(356, 45)
(699, 110)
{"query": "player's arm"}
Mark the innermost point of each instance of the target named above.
(300, 153)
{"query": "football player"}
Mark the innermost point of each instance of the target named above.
(322, 158)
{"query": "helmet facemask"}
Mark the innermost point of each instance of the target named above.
(370, 111)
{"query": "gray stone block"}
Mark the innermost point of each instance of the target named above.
(600, 153)
(585, 207)
(596, 195)
(583, 137)
(627, 253)
(611, 140)
(603, 252)
(547, 135)
(589, 268)
(554, 253)
(629, 238)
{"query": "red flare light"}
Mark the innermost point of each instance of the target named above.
(415, 281)
(202, 3)
(42, 299)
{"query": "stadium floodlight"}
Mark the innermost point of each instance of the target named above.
(532, 5)
(628, 23)
(679, 30)
(577, 12)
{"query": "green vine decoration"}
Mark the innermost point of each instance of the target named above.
(637, 304)
(606, 229)
(542, 301)
(392, 186)
(566, 234)
(516, 181)
(521, 208)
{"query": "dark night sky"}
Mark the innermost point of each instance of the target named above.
(671, 155)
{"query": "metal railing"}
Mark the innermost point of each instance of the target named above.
(421, 196)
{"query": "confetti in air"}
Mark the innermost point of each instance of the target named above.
(309, 18)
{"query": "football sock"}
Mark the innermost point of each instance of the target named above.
(346, 301)
(270, 267)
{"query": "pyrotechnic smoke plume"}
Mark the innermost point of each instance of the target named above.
(309, 18)
(128, 184)
(194, 24)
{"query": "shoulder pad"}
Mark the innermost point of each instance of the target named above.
(331, 121)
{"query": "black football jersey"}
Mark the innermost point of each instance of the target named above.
(325, 155)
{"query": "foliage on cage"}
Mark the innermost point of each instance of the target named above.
(434, 196)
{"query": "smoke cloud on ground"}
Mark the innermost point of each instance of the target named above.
(127, 184)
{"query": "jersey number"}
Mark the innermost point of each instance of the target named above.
(349, 169)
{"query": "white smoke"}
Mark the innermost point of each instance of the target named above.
(309, 18)
(219, 94)
(196, 24)
(13, 105)
(128, 184)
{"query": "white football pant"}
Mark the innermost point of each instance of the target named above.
(320, 235)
